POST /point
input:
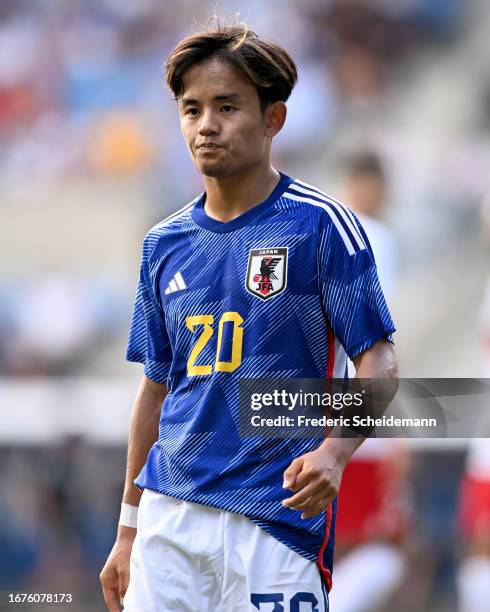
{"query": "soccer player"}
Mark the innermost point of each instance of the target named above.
(374, 509)
(260, 276)
(473, 575)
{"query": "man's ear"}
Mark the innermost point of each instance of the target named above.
(276, 116)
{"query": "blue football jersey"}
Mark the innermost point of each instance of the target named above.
(288, 289)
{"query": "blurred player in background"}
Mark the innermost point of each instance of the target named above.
(473, 577)
(261, 276)
(373, 515)
(366, 192)
(485, 304)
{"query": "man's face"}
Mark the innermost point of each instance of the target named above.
(365, 193)
(221, 120)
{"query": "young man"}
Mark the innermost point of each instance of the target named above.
(261, 276)
(374, 509)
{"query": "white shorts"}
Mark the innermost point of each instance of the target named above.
(190, 558)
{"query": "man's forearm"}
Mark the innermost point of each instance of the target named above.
(342, 449)
(143, 432)
(378, 363)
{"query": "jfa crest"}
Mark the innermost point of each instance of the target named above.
(267, 272)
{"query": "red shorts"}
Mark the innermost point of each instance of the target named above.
(373, 502)
(474, 508)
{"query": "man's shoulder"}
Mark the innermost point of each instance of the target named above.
(168, 226)
(329, 213)
(314, 199)
(174, 220)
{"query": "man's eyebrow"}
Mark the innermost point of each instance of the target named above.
(227, 96)
(221, 97)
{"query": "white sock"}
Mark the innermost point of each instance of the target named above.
(364, 578)
(473, 581)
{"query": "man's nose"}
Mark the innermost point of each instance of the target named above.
(209, 124)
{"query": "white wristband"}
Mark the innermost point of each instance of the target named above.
(129, 516)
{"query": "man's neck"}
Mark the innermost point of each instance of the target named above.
(230, 197)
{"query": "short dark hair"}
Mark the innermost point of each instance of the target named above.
(265, 65)
(364, 162)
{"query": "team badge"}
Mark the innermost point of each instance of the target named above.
(267, 272)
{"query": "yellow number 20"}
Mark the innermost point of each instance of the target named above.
(236, 343)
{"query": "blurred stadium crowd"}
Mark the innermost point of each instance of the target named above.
(91, 157)
(83, 107)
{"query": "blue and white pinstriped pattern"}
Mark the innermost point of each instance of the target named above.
(352, 296)
(340, 215)
(142, 346)
(338, 205)
(156, 370)
(269, 451)
(299, 541)
(176, 439)
(166, 223)
(200, 455)
(164, 227)
(146, 320)
(235, 500)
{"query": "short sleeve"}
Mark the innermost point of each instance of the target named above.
(148, 340)
(351, 294)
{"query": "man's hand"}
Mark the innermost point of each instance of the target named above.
(315, 478)
(115, 574)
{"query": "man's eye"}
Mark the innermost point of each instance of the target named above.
(191, 111)
(227, 108)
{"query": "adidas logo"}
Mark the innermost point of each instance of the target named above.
(176, 284)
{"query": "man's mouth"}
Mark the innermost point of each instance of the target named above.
(209, 146)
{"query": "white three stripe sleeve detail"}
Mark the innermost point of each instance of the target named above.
(343, 210)
(180, 281)
(331, 214)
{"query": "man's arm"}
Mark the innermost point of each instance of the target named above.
(143, 432)
(315, 477)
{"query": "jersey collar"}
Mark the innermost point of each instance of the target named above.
(203, 220)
